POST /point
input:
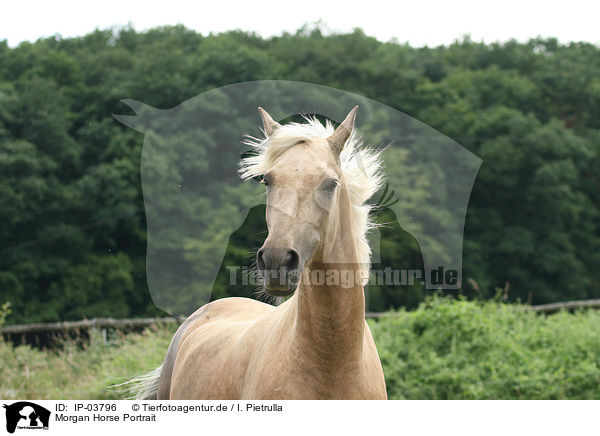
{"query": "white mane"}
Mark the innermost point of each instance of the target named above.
(361, 169)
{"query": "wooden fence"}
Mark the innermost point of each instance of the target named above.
(105, 323)
(97, 323)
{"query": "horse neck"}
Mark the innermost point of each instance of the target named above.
(330, 318)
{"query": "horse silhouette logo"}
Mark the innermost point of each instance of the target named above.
(195, 199)
(26, 415)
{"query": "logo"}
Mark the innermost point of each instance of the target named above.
(202, 216)
(26, 415)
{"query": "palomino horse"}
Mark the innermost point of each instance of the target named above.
(317, 344)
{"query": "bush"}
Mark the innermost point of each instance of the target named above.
(456, 349)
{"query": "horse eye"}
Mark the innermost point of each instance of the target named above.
(331, 185)
(264, 181)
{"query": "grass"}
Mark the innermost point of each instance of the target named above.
(446, 349)
(76, 372)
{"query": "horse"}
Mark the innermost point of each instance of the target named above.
(316, 344)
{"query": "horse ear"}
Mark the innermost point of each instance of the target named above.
(142, 118)
(342, 133)
(269, 124)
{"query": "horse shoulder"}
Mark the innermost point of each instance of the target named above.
(204, 337)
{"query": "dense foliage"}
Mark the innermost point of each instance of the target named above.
(466, 350)
(443, 350)
(72, 238)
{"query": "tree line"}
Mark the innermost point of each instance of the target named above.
(73, 228)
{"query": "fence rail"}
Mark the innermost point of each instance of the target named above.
(575, 304)
(98, 323)
(103, 323)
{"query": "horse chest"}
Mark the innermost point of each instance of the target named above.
(305, 379)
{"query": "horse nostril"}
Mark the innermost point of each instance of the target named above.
(292, 260)
(274, 259)
(260, 263)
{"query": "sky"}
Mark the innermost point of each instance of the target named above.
(419, 22)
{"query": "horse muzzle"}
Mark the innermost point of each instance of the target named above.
(279, 270)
